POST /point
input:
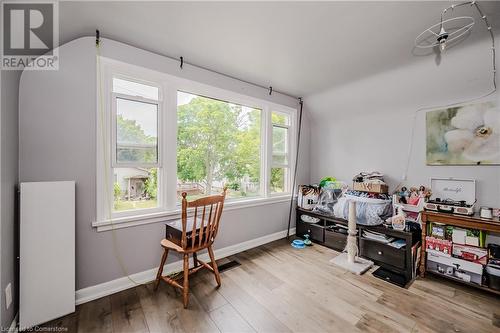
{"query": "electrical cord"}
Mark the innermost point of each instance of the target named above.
(428, 108)
(104, 141)
(294, 180)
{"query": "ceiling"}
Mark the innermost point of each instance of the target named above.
(297, 47)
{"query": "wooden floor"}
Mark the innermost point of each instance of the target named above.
(281, 289)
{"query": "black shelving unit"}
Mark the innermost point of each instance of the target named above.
(328, 231)
(332, 232)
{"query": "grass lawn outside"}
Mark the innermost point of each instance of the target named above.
(121, 205)
(231, 194)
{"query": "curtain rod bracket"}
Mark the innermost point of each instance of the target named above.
(270, 90)
(97, 37)
(182, 61)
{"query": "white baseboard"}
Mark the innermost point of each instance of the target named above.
(107, 288)
(13, 326)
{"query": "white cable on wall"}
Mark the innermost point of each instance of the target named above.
(105, 143)
(491, 92)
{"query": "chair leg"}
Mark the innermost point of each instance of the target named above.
(185, 289)
(195, 259)
(214, 265)
(160, 269)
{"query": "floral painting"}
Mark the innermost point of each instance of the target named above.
(464, 135)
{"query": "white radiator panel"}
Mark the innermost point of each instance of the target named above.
(47, 252)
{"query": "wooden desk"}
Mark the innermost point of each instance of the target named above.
(469, 222)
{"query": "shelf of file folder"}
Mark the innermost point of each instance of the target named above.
(394, 242)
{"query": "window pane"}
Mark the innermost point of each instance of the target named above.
(280, 145)
(135, 89)
(218, 143)
(136, 132)
(280, 119)
(279, 178)
(135, 188)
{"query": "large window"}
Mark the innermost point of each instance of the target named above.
(161, 136)
(135, 159)
(280, 168)
(218, 144)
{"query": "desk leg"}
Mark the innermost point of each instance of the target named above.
(422, 247)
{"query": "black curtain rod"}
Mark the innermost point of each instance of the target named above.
(294, 180)
(183, 62)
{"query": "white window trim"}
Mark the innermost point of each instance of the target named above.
(114, 162)
(290, 151)
(168, 207)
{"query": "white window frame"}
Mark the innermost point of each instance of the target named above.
(169, 85)
(114, 144)
(290, 147)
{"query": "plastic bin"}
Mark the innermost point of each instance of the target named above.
(494, 250)
(493, 275)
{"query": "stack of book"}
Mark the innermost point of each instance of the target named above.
(377, 236)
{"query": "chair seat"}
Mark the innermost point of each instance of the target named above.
(189, 235)
(171, 245)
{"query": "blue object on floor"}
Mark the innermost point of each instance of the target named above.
(307, 241)
(298, 244)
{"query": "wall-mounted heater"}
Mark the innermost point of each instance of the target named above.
(47, 252)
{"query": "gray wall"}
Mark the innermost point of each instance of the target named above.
(57, 142)
(366, 125)
(9, 178)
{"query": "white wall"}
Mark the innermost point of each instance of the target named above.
(58, 140)
(9, 178)
(365, 125)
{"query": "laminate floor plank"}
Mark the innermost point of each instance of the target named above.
(286, 307)
(259, 318)
(95, 316)
(160, 308)
(281, 289)
(206, 293)
(195, 319)
(320, 291)
(67, 323)
(228, 320)
(127, 313)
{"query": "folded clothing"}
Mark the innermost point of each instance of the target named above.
(369, 177)
(381, 196)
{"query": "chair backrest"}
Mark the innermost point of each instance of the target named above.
(205, 220)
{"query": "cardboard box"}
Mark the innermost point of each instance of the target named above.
(472, 240)
(370, 187)
(308, 196)
(458, 268)
(471, 253)
(458, 236)
(438, 245)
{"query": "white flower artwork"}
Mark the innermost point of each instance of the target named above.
(464, 135)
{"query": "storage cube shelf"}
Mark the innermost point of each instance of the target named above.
(325, 232)
(435, 263)
(328, 231)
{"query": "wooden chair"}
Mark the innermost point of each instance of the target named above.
(196, 233)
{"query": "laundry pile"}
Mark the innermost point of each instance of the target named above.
(372, 182)
(373, 177)
(373, 203)
(381, 196)
(369, 211)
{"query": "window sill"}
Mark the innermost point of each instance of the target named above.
(132, 221)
